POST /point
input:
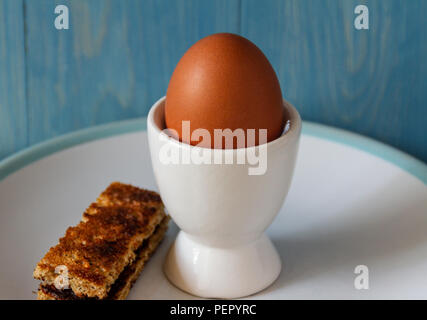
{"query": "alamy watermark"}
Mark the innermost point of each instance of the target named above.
(361, 282)
(361, 22)
(247, 151)
(62, 19)
(61, 282)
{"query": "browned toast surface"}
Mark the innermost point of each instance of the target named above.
(98, 249)
(121, 287)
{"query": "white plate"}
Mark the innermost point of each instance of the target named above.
(348, 206)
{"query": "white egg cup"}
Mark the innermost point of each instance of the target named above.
(221, 250)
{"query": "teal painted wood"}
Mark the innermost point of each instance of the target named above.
(117, 57)
(114, 62)
(371, 81)
(13, 113)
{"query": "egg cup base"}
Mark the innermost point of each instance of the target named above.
(221, 272)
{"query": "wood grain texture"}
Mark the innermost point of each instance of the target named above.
(114, 62)
(13, 112)
(118, 55)
(370, 81)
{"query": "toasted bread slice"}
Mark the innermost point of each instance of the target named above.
(122, 286)
(105, 243)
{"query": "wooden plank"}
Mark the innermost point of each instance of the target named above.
(115, 60)
(13, 113)
(370, 81)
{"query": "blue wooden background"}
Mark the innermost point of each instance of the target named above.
(117, 57)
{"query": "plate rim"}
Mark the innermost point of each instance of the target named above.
(31, 154)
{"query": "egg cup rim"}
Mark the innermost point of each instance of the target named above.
(291, 134)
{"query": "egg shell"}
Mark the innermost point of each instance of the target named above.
(224, 81)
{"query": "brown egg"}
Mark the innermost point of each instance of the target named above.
(224, 81)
